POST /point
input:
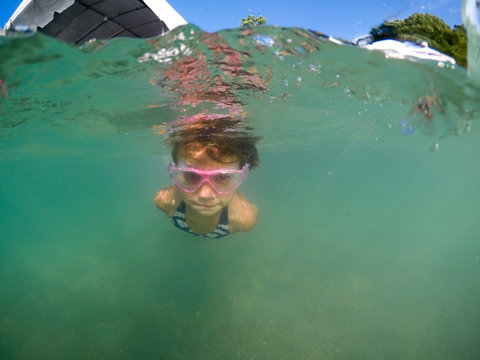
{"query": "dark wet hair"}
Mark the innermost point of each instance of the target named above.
(223, 138)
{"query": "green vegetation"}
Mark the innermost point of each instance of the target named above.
(252, 21)
(429, 28)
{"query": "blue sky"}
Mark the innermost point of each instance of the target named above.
(346, 19)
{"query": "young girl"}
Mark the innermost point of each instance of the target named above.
(210, 159)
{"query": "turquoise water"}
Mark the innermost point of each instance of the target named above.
(367, 243)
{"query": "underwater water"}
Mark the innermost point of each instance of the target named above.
(367, 244)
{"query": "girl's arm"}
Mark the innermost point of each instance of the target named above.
(242, 215)
(167, 200)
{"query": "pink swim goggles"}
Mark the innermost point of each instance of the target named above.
(222, 181)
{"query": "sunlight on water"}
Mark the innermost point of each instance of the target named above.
(367, 242)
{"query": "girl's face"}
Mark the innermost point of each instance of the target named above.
(205, 200)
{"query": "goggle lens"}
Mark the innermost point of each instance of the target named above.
(222, 181)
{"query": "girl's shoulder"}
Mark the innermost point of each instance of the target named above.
(242, 215)
(167, 200)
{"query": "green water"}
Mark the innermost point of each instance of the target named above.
(367, 244)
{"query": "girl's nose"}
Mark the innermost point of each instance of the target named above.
(205, 192)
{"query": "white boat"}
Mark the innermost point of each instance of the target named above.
(410, 51)
(77, 21)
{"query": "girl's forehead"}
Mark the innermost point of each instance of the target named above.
(204, 162)
(201, 157)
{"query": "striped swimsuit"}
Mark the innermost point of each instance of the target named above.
(220, 231)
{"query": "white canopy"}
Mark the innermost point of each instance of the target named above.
(80, 20)
(36, 13)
